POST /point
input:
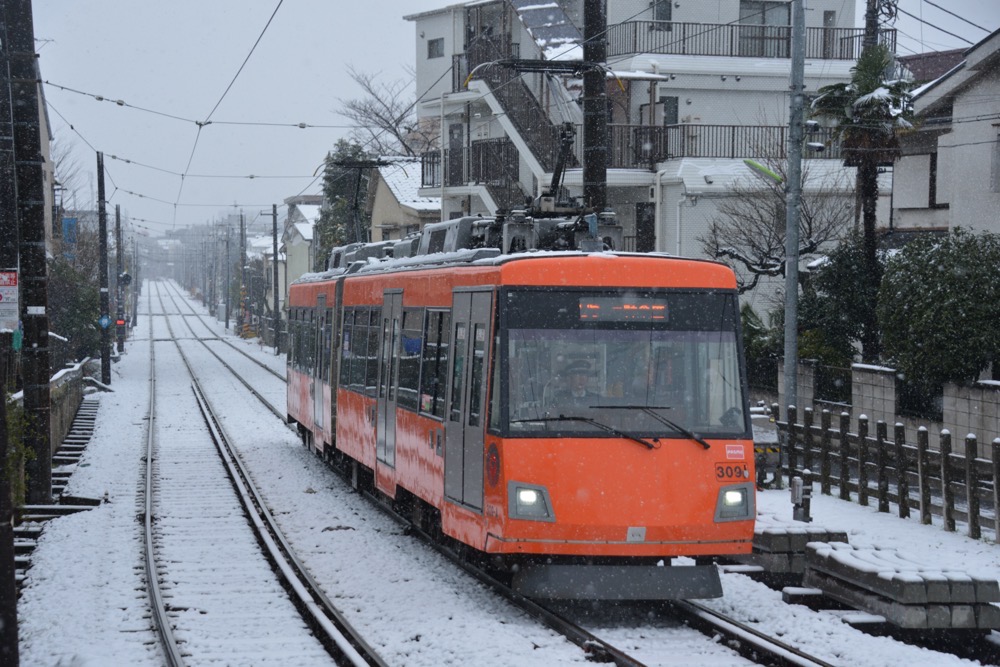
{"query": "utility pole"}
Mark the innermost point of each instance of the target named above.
(9, 652)
(243, 274)
(229, 267)
(119, 281)
(28, 166)
(595, 106)
(274, 242)
(793, 198)
(102, 269)
(867, 180)
(8, 575)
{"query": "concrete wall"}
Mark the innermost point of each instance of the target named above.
(873, 393)
(972, 409)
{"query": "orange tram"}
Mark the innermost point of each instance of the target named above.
(577, 421)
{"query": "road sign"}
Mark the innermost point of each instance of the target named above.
(104, 321)
(9, 313)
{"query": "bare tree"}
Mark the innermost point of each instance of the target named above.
(68, 172)
(384, 120)
(748, 230)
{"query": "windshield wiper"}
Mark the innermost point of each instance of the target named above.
(648, 409)
(594, 423)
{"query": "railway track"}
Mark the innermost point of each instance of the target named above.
(211, 601)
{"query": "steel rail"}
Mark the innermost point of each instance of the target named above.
(159, 611)
(338, 635)
(195, 313)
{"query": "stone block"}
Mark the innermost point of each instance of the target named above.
(963, 616)
(987, 590)
(988, 617)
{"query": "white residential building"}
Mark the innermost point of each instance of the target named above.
(693, 90)
(949, 175)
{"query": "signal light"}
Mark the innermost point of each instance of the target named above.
(120, 323)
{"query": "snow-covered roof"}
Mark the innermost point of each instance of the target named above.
(551, 29)
(305, 230)
(308, 211)
(718, 65)
(708, 176)
(403, 179)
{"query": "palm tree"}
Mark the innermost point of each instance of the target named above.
(868, 111)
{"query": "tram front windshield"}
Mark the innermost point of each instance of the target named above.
(596, 363)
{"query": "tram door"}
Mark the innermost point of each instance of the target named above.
(319, 370)
(385, 429)
(463, 456)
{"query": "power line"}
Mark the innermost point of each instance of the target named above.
(938, 28)
(961, 18)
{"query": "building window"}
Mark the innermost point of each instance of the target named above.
(662, 10)
(995, 167)
(932, 182)
(662, 15)
(670, 109)
(435, 48)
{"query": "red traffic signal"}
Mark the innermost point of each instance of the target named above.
(120, 323)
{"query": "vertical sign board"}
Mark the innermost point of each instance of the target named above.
(9, 314)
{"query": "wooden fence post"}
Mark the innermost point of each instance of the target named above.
(995, 451)
(824, 460)
(924, 476)
(807, 438)
(863, 453)
(972, 485)
(776, 412)
(881, 462)
(902, 483)
(947, 493)
(845, 456)
(790, 442)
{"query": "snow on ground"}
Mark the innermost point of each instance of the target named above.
(84, 602)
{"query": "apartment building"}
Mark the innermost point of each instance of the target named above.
(693, 89)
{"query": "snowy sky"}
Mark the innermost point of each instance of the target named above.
(178, 58)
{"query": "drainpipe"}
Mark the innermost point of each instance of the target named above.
(443, 95)
(658, 206)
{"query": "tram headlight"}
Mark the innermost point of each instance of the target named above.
(735, 503)
(733, 498)
(529, 501)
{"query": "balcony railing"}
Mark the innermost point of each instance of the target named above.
(643, 146)
(489, 162)
(494, 162)
(727, 39)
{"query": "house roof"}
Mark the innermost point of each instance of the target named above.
(978, 61)
(551, 29)
(709, 176)
(403, 179)
(930, 66)
(305, 230)
(310, 212)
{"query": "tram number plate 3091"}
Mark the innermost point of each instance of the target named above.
(728, 471)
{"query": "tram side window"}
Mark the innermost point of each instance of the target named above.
(434, 363)
(347, 352)
(371, 372)
(458, 372)
(360, 363)
(308, 342)
(291, 341)
(409, 359)
(477, 380)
